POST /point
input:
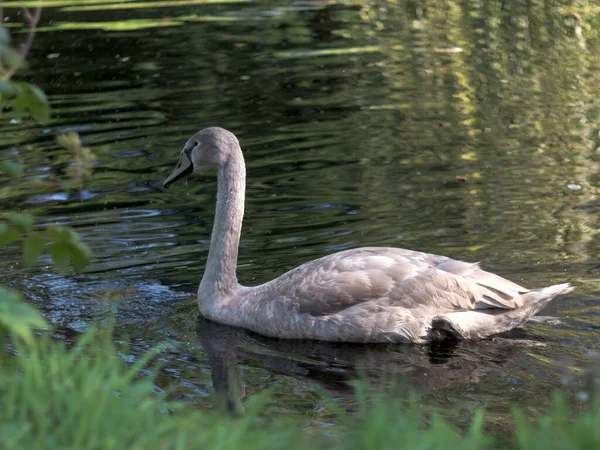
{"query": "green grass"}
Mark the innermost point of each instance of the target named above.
(52, 397)
(86, 397)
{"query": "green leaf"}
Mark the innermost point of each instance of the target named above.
(14, 169)
(39, 106)
(19, 318)
(33, 247)
(66, 245)
(62, 233)
(23, 222)
(80, 255)
(38, 94)
(4, 35)
(10, 56)
(58, 233)
(20, 105)
(8, 234)
(59, 252)
(7, 89)
(30, 99)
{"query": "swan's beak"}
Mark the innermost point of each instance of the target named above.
(184, 167)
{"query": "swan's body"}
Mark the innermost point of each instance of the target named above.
(371, 294)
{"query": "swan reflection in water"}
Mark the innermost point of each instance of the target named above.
(331, 366)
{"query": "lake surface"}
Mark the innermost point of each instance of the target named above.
(469, 130)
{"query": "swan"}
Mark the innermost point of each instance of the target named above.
(363, 295)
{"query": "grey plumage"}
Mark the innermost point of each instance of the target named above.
(371, 294)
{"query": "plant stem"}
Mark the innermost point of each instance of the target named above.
(32, 21)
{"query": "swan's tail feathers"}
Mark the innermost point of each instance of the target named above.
(553, 291)
(536, 299)
(485, 322)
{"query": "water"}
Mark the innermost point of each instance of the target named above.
(360, 122)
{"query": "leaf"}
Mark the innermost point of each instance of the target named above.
(66, 245)
(58, 233)
(59, 252)
(18, 318)
(32, 248)
(4, 36)
(14, 169)
(80, 256)
(38, 94)
(7, 89)
(20, 105)
(11, 57)
(30, 99)
(8, 234)
(39, 106)
(23, 222)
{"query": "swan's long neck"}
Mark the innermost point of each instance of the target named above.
(219, 280)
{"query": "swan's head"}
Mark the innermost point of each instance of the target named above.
(208, 149)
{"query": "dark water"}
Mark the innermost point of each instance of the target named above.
(358, 121)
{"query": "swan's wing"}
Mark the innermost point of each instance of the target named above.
(425, 283)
